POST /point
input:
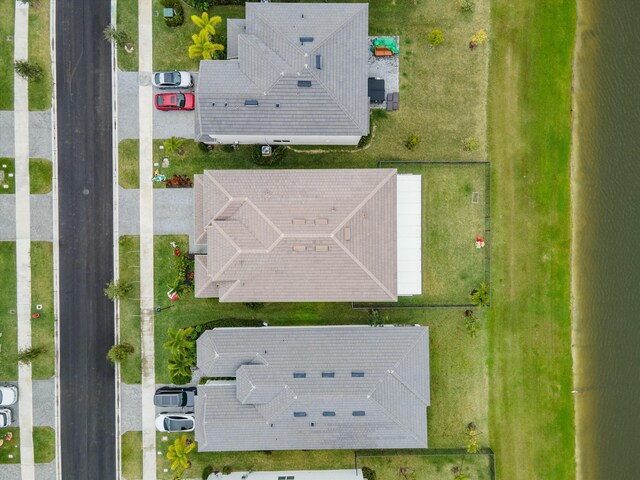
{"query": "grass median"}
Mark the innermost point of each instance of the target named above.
(127, 21)
(44, 444)
(7, 24)
(130, 307)
(42, 328)
(9, 324)
(131, 445)
(531, 405)
(40, 91)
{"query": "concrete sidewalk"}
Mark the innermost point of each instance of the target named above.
(145, 109)
(23, 240)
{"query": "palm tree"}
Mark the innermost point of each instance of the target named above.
(116, 290)
(179, 452)
(202, 47)
(206, 23)
(179, 341)
(174, 145)
(179, 367)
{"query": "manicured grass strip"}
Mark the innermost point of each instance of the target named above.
(42, 328)
(40, 173)
(44, 444)
(424, 465)
(10, 451)
(128, 163)
(131, 448)
(39, 51)
(130, 370)
(7, 24)
(531, 405)
(127, 21)
(8, 321)
(8, 165)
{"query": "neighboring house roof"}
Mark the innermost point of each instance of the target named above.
(280, 400)
(352, 474)
(271, 60)
(297, 235)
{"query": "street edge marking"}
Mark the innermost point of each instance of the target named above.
(116, 231)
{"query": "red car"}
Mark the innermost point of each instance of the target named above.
(175, 101)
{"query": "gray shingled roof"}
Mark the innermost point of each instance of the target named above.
(297, 235)
(256, 412)
(270, 62)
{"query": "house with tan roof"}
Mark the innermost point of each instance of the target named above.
(308, 235)
(296, 73)
(299, 388)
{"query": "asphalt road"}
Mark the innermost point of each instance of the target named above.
(86, 259)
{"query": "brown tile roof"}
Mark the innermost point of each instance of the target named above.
(297, 235)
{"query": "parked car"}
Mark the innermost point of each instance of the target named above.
(6, 417)
(172, 80)
(176, 422)
(175, 101)
(8, 395)
(175, 397)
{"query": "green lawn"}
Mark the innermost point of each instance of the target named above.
(40, 52)
(531, 405)
(127, 21)
(42, 328)
(44, 444)
(40, 171)
(423, 465)
(8, 321)
(130, 307)
(10, 451)
(8, 165)
(171, 44)
(7, 23)
(131, 445)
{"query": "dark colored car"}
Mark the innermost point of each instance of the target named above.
(175, 101)
(175, 397)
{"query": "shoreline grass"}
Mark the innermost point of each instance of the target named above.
(42, 328)
(7, 25)
(40, 92)
(531, 405)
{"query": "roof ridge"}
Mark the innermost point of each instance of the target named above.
(402, 425)
(222, 189)
(326, 89)
(371, 194)
(235, 284)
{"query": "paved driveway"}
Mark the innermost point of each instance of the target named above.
(39, 134)
(165, 124)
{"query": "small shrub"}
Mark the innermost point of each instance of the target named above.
(28, 355)
(205, 147)
(472, 438)
(465, 6)
(364, 140)
(435, 37)
(471, 323)
(28, 70)
(471, 144)
(116, 290)
(478, 38)
(179, 181)
(208, 470)
(254, 305)
(226, 470)
(277, 155)
(480, 296)
(203, 5)
(120, 352)
(369, 473)
(178, 15)
(114, 35)
(412, 142)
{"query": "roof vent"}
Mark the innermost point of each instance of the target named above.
(304, 83)
(299, 248)
(304, 40)
(322, 248)
(319, 62)
(251, 103)
(322, 221)
(299, 414)
(358, 413)
(298, 221)
(347, 233)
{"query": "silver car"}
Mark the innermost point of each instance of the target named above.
(6, 417)
(172, 80)
(8, 395)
